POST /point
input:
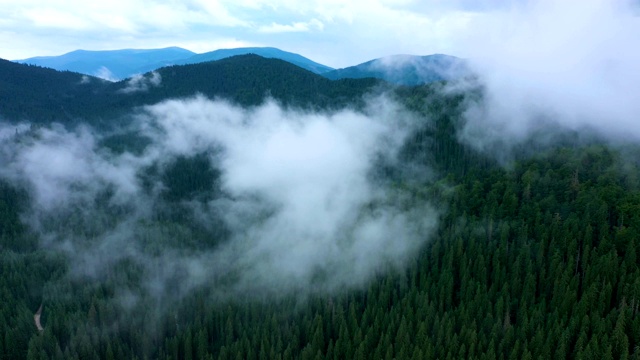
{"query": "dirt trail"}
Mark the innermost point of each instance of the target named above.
(36, 318)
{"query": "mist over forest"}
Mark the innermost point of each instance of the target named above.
(265, 199)
(247, 208)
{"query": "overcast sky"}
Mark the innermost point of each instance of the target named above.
(337, 33)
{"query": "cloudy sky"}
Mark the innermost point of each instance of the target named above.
(337, 33)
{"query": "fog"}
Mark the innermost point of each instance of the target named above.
(141, 83)
(292, 206)
(548, 66)
(424, 69)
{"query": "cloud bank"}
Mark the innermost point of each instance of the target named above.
(296, 205)
(556, 65)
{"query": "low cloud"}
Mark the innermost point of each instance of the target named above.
(549, 66)
(414, 70)
(141, 83)
(63, 167)
(104, 73)
(296, 205)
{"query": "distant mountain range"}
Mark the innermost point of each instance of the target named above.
(121, 64)
(112, 64)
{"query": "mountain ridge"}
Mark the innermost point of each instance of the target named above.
(266, 52)
(42, 95)
(117, 65)
(406, 69)
(111, 64)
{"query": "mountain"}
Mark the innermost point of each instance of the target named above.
(266, 52)
(43, 95)
(247, 79)
(122, 64)
(406, 69)
(112, 64)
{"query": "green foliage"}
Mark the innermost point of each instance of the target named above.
(536, 260)
(41, 95)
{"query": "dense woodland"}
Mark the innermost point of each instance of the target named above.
(409, 70)
(40, 95)
(535, 258)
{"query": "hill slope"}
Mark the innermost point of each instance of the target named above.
(247, 79)
(40, 94)
(43, 95)
(406, 69)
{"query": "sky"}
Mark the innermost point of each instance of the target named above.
(336, 33)
(333, 32)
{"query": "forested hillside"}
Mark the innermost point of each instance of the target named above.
(535, 258)
(266, 52)
(33, 93)
(406, 69)
(247, 79)
(41, 95)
